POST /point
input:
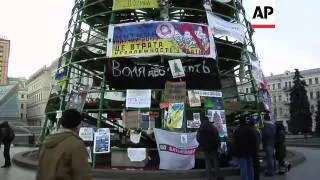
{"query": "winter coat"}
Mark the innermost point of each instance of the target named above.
(280, 146)
(268, 134)
(208, 138)
(6, 133)
(245, 141)
(63, 156)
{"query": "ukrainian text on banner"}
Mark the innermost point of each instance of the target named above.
(160, 38)
(176, 150)
(138, 98)
(222, 27)
(134, 4)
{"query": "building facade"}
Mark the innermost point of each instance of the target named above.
(4, 58)
(21, 96)
(38, 90)
(279, 88)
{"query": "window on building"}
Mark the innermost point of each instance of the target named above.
(247, 90)
(318, 94)
(310, 81)
(22, 96)
(286, 84)
(280, 112)
(273, 86)
(289, 84)
(22, 106)
(312, 109)
(274, 99)
(21, 115)
(280, 98)
(316, 80)
(279, 85)
(1, 51)
(311, 95)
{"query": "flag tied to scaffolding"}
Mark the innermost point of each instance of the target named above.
(145, 39)
(176, 150)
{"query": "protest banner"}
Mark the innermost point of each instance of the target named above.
(145, 39)
(176, 150)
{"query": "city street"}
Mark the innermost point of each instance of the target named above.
(307, 170)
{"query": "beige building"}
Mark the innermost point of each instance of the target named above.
(38, 90)
(4, 58)
(279, 89)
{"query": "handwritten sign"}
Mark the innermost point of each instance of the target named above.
(86, 133)
(138, 98)
(175, 92)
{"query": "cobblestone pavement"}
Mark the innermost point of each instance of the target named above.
(307, 171)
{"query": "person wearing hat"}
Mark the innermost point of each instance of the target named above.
(63, 154)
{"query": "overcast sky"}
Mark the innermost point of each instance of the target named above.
(36, 29)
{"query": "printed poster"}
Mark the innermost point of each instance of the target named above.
(194, 98)
(131, 119)
(143, 39)
(217, 117)
(256, 71)
(175, 92)
(195, 122)
(210, 93)
(101, 141)
(134, 4)
(77, 97)
(176, 68)
(213, 103)
(175, 115)
(86, 133)
(138, 98)
(176, 147)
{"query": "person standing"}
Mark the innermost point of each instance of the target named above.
(209, 143)
(7, 136)
(280, 146)
(256, 161)
(63, 154)
(268, 141)
(245, 142)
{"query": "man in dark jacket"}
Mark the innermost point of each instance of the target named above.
(7, 136)
(245, 142)
(280, 146)
(209, 143)
(268, 141)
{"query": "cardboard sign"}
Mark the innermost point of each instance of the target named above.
(175, 92)
(131, 119)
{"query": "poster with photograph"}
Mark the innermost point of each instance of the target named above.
(145, 120)
(176, 68)
(213, 103)
(102, 141)
(77, 97)
(218, 119)
(175, 115)
(195, 122)
(194, 98)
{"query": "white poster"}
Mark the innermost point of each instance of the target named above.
(210, 94)
(137, 154)
(176, 68)
(86, 133)
(102, 141)
(138, 98)
(222, 27)
(194, 98)
(176, 150)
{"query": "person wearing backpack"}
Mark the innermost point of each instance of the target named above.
(7, 136)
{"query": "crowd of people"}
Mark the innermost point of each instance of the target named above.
(246, 145)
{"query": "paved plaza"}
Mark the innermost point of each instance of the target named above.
(306, 171)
